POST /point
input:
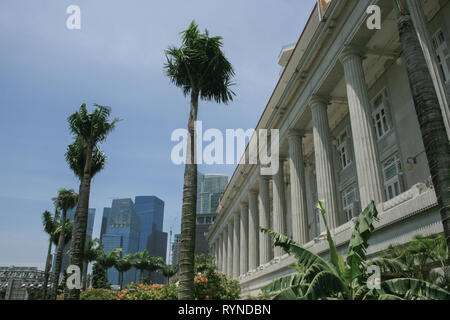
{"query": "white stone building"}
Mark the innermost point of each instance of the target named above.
(349, 134)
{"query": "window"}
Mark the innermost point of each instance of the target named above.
(201, 220)
(442, 54)
(391, 174)
(348, 198)
(380, 119)
(343, 150)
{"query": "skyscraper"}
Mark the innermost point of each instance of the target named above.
(122, 231)
(150, 210)
(176, 249)
(210, 188)
(157, 247)
(89, 229)
(106, 213)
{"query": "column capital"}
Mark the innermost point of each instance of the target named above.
(351, 51)
(243, 205)
(294, 133)
(318, 100)
(266, 178)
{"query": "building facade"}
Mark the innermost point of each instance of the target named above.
(150, 210)
(157, 247)
(176, 244)
(348, 134)
(122, 231)
(210, 188)
(30, 277)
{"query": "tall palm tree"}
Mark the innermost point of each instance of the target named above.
(66, 200)
(90, 129)
(201, 69)
(429, 114)
(169, 271)
(50, 224)
(123, 264)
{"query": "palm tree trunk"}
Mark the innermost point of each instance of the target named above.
(47, 270)
(429, 114)
(141, 276)
(85, 271)
(48, 261)
(188, 217)
(121, 280)
(80, 223)
(59, 255)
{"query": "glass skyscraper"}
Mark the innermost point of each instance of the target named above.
(122, 231)
(210, 188)
(150, 210)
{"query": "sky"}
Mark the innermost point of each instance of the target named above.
(116, 59)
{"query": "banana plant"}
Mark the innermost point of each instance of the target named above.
(346, 278)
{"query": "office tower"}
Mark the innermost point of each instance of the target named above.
(210, 188)
(150, 210)
(90, 227)
(106, 213)
(122, 231)
(176, 249)
(157, 247)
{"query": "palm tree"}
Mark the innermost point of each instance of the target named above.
(141, 261)
(201, 69)
(154, 264)
(123, 264)
(91, 252)
(66, 200)
(422, 256)
(347, 279)
(50, 224)
(103, 263)
(90, 129)
(169, 271)
(429, 114)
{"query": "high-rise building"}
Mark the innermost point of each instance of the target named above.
(150, 210)
(122, 231)
(157, 247)
(90, 227)
(176, 249)
(106, 213)
(210, 188)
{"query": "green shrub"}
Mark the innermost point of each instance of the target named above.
(216, 286)
(141, 291)
(98, 294)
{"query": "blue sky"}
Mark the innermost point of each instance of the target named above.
(116, 59)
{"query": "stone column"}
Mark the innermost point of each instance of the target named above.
(265, 243)
(326, 185)
(230, 249)
(224, 250)
(244, 239)
(253, 232)
(236, 245)
(279, 205)
(299, 211)
(219, 249)
(366, 157)
(423, 33)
